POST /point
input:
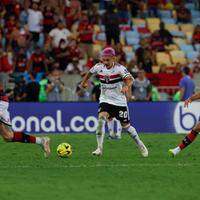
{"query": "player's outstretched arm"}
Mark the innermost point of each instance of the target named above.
(192, 98)
(84, 83)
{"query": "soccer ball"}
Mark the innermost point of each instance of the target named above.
(64, 150)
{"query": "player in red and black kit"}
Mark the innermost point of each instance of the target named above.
(9, 135)
(191, 136)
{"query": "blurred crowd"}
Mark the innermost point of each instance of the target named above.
(40, 40)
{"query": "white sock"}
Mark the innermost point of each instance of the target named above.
(100, 136)
(133, 133)
(119, 128)
(176, 150)
(38, 140)
(110, 124)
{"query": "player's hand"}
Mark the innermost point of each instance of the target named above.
(187, 102)
(124, 89)
(84, 85)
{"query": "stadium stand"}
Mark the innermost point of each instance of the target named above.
(69, 35)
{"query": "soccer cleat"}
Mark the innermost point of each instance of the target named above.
(175, 151)
(143, 149)
(46, 147)
(171, 153)
(97, 152)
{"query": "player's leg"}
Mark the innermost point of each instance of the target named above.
(119, 129)
(189, 138)
(10, 136)
(111, 124)
(134, 135)
(100, 132)
(123, 117)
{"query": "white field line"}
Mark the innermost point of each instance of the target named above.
(105, 165)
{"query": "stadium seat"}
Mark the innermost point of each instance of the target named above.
(163, 58)
(179, 41)
(171, 27)
(153, 21)
(177, 33)
(165, 13)
(186, 47)
(192, 55)
(153, 27)
(156, 69)
(139, 22)
(178, 56)
(168, 20)
(187, 27)
(153, 24)
(171, 47)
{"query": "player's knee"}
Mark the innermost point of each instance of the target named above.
(103, 115)
(7, 137)
(125, 125)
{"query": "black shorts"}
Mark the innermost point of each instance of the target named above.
(119, 112)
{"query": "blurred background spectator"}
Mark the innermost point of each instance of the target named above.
(55, 86)
(187, 86)
(141, 87)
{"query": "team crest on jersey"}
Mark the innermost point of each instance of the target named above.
(107, 79)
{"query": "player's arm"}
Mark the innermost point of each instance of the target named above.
(86, 77)
(127, 88)
(182, 90)
(192, 98)
(84, 83)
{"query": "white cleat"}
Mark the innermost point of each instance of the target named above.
(174, 152)
(143, 149)
(46, 146)
(97, 152)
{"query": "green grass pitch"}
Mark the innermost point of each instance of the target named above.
(120, 174)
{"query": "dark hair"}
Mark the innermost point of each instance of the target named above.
(186, 70)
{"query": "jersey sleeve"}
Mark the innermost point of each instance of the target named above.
(95, 69)
(125, 73)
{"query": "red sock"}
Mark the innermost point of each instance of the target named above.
(22, 137)
(189, 138)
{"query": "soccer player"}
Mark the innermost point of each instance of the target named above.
(11, 136)
(116, 82)
(190, 137)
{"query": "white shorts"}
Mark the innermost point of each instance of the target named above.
(4, 114)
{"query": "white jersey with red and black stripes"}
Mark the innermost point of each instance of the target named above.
(111, 83)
